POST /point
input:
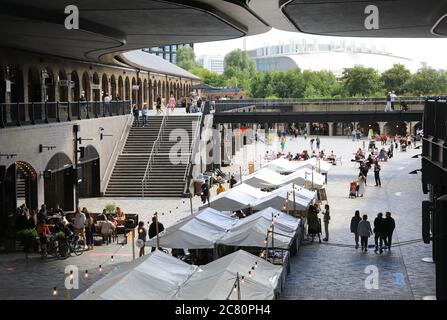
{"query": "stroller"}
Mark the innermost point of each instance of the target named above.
(353, 189)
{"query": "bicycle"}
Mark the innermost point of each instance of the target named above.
(73, 246)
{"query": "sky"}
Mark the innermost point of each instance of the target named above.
(432, 51)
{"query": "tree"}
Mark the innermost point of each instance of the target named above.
(186, 58)
(238, 59)
(361, 81)
(428, 81)
(395, 78)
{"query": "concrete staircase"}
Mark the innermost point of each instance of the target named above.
(131, 164)
(166, 178)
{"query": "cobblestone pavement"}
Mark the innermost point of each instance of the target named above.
(320, 271)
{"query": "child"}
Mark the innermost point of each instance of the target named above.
(44, 232)
(142, 233)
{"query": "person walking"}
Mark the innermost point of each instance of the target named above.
(361, 185)
(388, 103)
(83, 102)
(107, 100)
(393, 97)
(326, 218)
(314, 226)
(354, 227)
(153, 229)
(377, 173)
(136, 116)
(205, 196)
(318, 143)
(171, 101)
(379, 232)
(142, 235)
(145, 116)
(364, 231)
(158, 105)
(312, 144)
(305, 133)
(364, 168)
(390, 225)
(89, 230)
(283, 142)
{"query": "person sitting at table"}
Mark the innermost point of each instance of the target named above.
(297, 157)
(120, 216)
(331, 158)
(289, 156)
(305, 155)
(107, 228)
(220, 189)
(102, 216)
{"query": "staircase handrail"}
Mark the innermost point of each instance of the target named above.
(154, 150)
(192, 150)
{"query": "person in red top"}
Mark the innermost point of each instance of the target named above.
(44, 232)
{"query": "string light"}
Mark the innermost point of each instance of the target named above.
(235, 288)
(256, 264)
(242, 279)
(249, 274)
(86, 274)
(253, 268)
(55, 291)
(111, 258)
(71, 275)
(100, 268)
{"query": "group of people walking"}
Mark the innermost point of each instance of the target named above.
(382, 231)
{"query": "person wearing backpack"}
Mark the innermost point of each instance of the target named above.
(326, 218)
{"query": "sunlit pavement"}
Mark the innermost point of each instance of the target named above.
(333, 270)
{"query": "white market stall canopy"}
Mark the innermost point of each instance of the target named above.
(210, 227)
(156, 276)
(266, 177)
(235, 199)
(159, 276)
(200, 231)
(215, 281)
(277, 199)
(282, 165)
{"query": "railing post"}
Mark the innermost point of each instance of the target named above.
(69, 112)
(95, 107)
(58, 118)
(18, 123)
(103, 108)
(88, 110)
(2, 120)
(33, 120)
(45, 106)
(110, 108)
(79, 110)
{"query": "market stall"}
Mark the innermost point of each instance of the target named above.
(155, 276)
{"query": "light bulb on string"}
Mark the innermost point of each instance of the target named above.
(100, 268)
(235, 288)
(112, 259)
(242, 279)
(256, 264)
(249, 274)
(86, 274)
(55, 291)
(71, 275)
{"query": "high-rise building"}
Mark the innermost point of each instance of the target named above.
(168, 52)
(214, 63)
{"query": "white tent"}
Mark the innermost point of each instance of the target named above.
(305, 177)
(199, 231)
(253, 234)
(155, 276)
(236, 199)
(283, 221)
(266, 177)
(215, 281)
(282, 165)
(277, 199)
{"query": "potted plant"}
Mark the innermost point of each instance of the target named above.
(27, 237)
(110, 208)
(62, 242)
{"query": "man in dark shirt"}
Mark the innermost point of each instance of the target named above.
(390, 225)
(379, 232)
(153, 229)
(42, 216)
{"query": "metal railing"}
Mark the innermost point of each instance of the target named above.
(31, 113)
(192, 152)
(154, 151)
(309, 105)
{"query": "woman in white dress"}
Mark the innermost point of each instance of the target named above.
(361, 184)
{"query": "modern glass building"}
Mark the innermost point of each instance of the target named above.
(168, 52)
